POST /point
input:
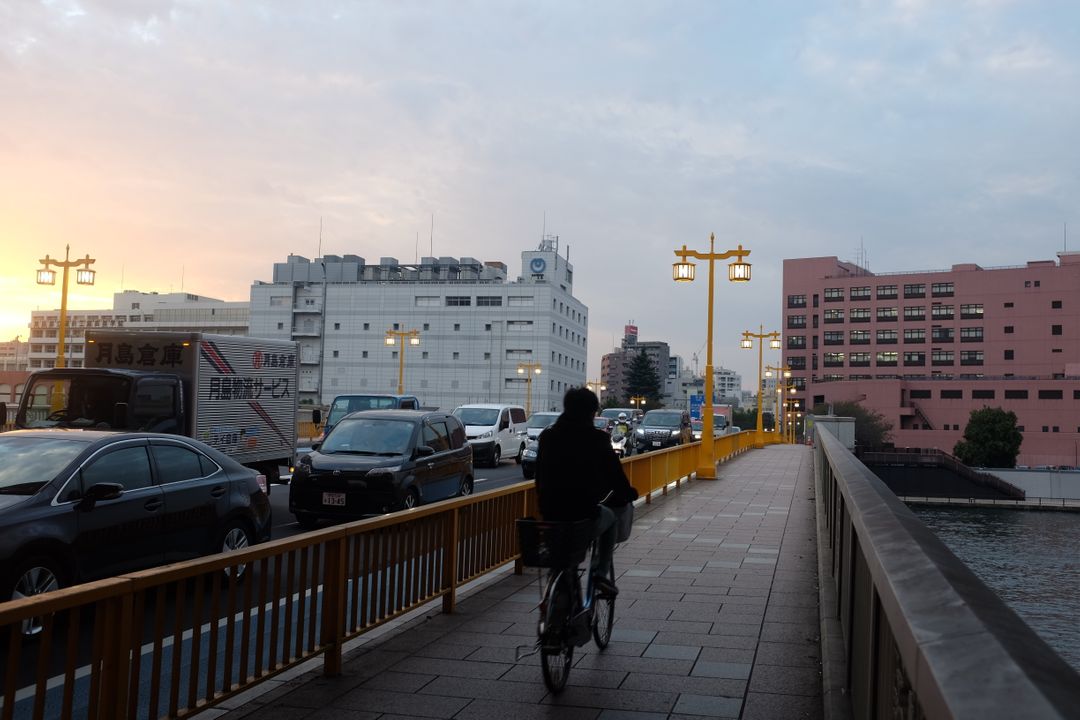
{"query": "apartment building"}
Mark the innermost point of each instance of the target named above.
(615, 366)
(132, 310)
(926, 348)
(475, 327)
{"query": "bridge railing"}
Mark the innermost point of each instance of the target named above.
(175, 640)
(923, 637)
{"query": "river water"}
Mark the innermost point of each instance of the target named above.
(1031, 559)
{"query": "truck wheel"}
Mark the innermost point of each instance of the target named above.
(34, 576)
(306, 521)
(235, 536)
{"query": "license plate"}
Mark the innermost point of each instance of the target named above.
(337, 499)
(656, 443)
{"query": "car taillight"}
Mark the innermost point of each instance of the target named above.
(261, 480)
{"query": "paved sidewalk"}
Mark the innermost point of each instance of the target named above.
(717, 617)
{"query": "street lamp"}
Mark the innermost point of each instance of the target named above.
(395, 337)
(774, 344)
(683, 271)
(528, 369)
(83, 275)
(779, 372)
(638, 401)
(597, 387)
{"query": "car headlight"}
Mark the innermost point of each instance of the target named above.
(640, 432)
(389, 470)
(487, 434)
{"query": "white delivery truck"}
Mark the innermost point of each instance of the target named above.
(234, 393)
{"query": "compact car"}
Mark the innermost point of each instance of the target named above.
(379, 461)
(79, 505)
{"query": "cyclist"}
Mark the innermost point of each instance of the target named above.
(576, 469)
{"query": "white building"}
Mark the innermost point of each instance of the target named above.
(475, 328)
(14, 355)
(132, 310)
(728, 383)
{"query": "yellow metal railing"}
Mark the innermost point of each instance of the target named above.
(174, 640)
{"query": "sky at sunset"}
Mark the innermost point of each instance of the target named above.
(191, 145)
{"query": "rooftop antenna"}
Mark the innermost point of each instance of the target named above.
(1065, 239)
(416, 251)
(182, 268)
(319, 254)
(431, 238)
(543, 231)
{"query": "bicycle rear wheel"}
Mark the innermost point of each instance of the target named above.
(603, 615)
(556, 649)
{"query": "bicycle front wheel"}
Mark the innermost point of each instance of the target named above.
(556, 648)
(603, 615)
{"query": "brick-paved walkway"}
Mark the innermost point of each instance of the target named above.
(717, 617)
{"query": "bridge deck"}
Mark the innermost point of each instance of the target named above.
(717, 616)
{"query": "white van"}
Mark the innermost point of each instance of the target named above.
(494, 431)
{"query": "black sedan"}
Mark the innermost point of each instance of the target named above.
(78, 505)
(379, 461)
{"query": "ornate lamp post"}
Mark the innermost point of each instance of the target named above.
(683, 271)
(395, 337)
(597, 387)
(638, 401)
(781, 387)
(46, 276)
(528, 369)
(747, 343)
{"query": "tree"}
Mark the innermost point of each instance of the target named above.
(872, 430)
(642, 379)
(991, 439)
(745, 419)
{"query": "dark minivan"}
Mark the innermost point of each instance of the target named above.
(662, 429)
(378, 461)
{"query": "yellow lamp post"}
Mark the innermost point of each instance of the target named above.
(597, 387)
(779, 372)
(638, 401)
(683, 271)
(46, 276)
(774, 344)
(398, 337)
(528, 369)
(792, 415)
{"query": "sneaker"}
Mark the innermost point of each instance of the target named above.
(605, 588)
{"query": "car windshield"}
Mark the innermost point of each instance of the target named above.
(541, 420)
(600, 422)
(662, 419)
(86, 401)
(369, 436)
(477, 416)
(696, 424)
(27, 464)
(352, 403)
(613, 412)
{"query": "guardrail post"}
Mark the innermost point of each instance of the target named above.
(450, 563)
(116, 656)
(519, 567)
(333, 610)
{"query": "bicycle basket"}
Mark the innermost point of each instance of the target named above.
(624, 520)
(554, 544)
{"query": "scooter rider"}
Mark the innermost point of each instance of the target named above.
(622, 425)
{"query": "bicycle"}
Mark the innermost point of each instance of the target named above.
(568, 616)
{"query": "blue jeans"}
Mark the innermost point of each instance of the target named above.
(605, 543)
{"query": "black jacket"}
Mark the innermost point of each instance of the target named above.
(575, 469)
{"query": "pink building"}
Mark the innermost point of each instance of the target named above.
(926, 348)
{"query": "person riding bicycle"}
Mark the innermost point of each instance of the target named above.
(576, 469)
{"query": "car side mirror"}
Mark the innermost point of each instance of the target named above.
(99, 492)
(316, 445)
(424, 450)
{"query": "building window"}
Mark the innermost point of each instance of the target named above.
(797, 362)
(886, 314)
(520, 300)
(915, 336)
(796, 321)
(834, 337)
(1055, 329)
(941, 357)
(858, 315)
(393, 354)
(915, 290)
(428, 301)
(796, 301)
(367, 326)
(971, 357)
(914, 312)
(971, 334)
(488, 301)
(487, 356)
(859, 337)
(833, 359)
(834, 294)
(941, 335)
(1016, 394)
(886, 337)
(456, 356)
(457, 327)
(944, 289)
(886, 292)
(1009, 354)
(335, 353)
(886, 359)
(859, 359)
(424, 355)
(952, 395)
(458, 300)
(1055, 304)
(281, 326)
(916, 357)
(920, 394)
(796, 341)
(971, 311)
(982, 394)
(1051, 395)
(337, 326)
(860, 293)
(942, 312)
(363, 354)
